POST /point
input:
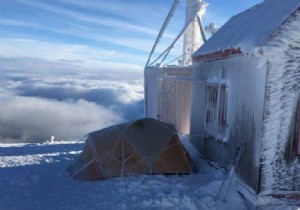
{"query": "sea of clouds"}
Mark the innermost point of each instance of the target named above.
(41, 99)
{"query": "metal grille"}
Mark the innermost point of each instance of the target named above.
(215, 110)
(173, 103)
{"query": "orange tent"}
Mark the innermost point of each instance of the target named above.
(145, 146)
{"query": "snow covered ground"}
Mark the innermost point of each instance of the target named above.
(33, 176)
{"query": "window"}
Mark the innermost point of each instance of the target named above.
(297, 131)
(215, 110)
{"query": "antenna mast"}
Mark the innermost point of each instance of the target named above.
(194, 36)
(193, 31)
(163, 28)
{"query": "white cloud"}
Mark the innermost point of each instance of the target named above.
(98, 19)
(68, 53)
(125, 9)
(68, 104)
(90, 26)
(138, 43)
(31, 119)
(21, 23)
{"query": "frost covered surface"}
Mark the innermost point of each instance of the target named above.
(34, 177)
(250, 28)
(269, 31)
(281, 172)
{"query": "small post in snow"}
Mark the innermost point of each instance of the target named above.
(52, 139)
(226, 184)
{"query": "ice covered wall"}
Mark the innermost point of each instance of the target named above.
(173, 97)
(167, 95)
(245, 76)
(150, 74)
(280, 170)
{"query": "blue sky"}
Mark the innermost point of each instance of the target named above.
(95, 33)
(69, 67)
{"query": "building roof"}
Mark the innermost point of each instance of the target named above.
(250, 28)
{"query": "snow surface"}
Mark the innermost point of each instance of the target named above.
(33, 176)
(250, 28)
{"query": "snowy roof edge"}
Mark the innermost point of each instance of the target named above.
(241, 32)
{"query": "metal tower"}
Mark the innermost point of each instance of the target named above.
(167, 98)
(193, 31)
(193, 38)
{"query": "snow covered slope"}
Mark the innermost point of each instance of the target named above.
(33, 176)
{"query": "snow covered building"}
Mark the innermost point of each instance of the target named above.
(247, 96)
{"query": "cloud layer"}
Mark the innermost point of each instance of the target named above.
(29, 119)
(65, 103)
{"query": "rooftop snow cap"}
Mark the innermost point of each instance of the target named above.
(250, 28)
(145, 146)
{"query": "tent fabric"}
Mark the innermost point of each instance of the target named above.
(145, 146)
